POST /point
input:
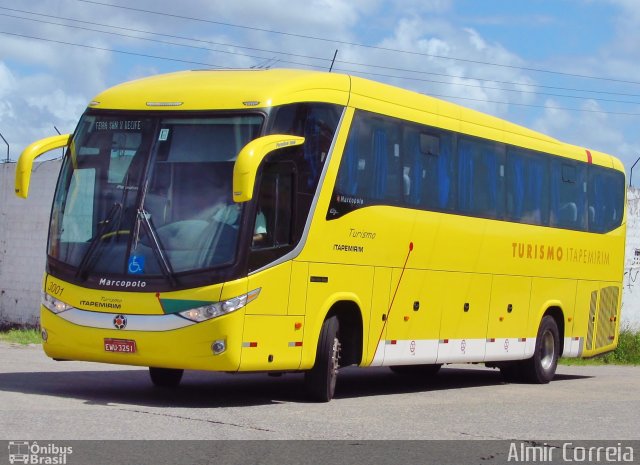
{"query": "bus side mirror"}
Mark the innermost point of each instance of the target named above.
(249, 159)
(33, 151)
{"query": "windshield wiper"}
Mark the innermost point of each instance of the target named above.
(104, 228)
(156, 246)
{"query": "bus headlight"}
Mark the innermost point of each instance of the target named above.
(53, 304)
(214, 310)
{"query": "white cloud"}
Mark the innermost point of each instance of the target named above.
(46, 83)
(7, 80)
(314, 16)
(30, 107)
(422, 7)
(478, 86)
(555, 118)
(627, 28)
(604, 125)
(61, 106)
(591, 128)
(7, 112)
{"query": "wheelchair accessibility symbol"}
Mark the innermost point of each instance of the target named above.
(136, 264)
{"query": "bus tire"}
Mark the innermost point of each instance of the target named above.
(541, 368)
(423, 371)
(165, 377)
(320, 381)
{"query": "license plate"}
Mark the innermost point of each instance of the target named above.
(126, 346)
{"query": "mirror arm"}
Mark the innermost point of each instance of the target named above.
(33, 151)
(251, 155)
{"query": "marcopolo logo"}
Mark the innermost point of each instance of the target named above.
(41, 454)
(124, 283)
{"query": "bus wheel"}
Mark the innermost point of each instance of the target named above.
(541, 368)
(165, 377)
(320, 381)
(423, 371)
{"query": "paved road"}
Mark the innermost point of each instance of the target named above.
(40, 398)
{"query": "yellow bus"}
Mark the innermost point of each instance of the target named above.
(298, 221)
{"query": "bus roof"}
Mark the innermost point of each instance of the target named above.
(247, 89)
(225, 90)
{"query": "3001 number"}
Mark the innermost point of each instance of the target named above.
(55, 289)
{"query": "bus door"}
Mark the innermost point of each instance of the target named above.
(271, 336)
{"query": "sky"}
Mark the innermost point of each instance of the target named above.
(567, 68)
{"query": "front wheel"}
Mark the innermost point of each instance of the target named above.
(165, 377)
(320, 381)
(541, 368)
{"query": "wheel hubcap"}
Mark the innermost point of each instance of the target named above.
(547, 351)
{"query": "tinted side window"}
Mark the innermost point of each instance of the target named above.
(480, 178)
(388, 161)
(273, 224)
(382, 136)
(351, 176)
(568, 194)
(371, 170)
(527, 179)
(317, 123)
(429, 169)
(605, 199)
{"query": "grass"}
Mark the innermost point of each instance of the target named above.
(21, 336)
(627, 352)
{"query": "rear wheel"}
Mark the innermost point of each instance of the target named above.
(541, 368)
(165, 377)
(416, 370)
(320, 381)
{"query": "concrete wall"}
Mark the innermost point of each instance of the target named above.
(631, 291)
(23, 237)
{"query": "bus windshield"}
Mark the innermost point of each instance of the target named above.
(149, 195)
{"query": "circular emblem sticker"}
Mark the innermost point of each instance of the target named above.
(120, 321)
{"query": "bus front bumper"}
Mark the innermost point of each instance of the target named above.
(187, 346)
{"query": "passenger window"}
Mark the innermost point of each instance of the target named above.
(568, 192)
(428, 169)
(388, 161)
(527, 187)
(480, 178)
(371, 171)
(605, 199)
(354, 162)
(387, 183)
